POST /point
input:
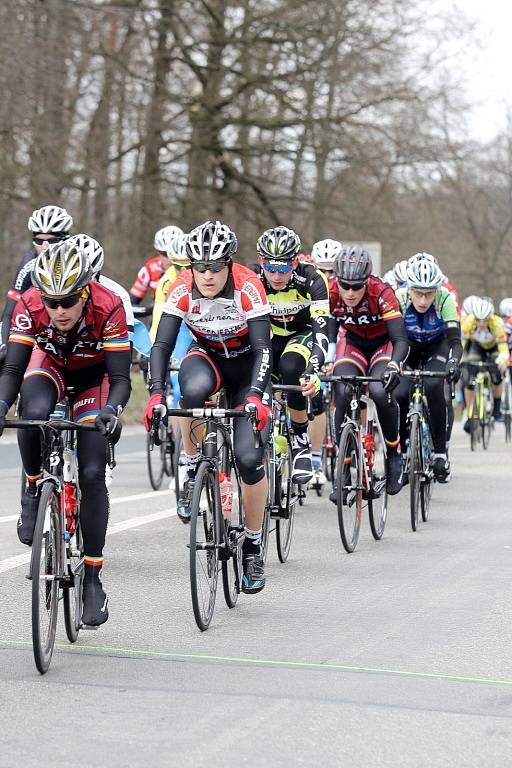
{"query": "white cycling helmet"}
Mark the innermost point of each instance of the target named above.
(176, 251)
(423, 255)
(399, 271)
(62, 269)
(423, 274)
(483, 308)
(505, 308)
(164, 236)
(49, 219)
(324, 253)
(389, 277)
(211, 241)
(92, 249)
(467, 304)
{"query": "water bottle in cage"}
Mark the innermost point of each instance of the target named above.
(369, 447)
(226, 494)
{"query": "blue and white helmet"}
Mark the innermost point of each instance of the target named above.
(423, 274)
(164, 236)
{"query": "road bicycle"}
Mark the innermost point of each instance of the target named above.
(57, 559)
(216, 538)
(360, 463)
(283, 495)
(480, 412)
(420, 450)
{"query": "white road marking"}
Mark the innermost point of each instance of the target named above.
(8, 518)
(137, 496)
(133, 522)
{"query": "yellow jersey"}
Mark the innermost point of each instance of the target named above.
(493, 335)
(162, 291)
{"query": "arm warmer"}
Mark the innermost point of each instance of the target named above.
(398, 337)
(259, 337)
(165, 342)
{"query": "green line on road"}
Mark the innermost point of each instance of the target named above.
(264, 662)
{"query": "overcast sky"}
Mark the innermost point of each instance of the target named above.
(489, 68)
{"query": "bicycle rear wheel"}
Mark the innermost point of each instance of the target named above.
(348, 485)
(269, 461)
(155, 455)
(45, 576)
(378, 501)
(73, 593)
(486, 426)
(508, 427)
(287, 496)
(204, 542)
(415, 469)
(232, 567)
(474, 431)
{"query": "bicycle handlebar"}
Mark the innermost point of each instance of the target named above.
(296, 388)
(213, 412)
(419, 373)
(350, 379)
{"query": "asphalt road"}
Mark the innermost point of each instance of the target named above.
(396, 655)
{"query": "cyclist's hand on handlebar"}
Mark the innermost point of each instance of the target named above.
(310, 384)
(155, 403)
(107, 422)
(391, 376)
(327, 368)
(263, 412)
(453, 370)
(502, 361)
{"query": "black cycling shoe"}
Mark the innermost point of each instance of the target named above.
(253, 579)
(405, 474)
(442, 471)
(28, 516)
(95, 610)
(467, 426)
(185, 498)
(302, 468)
(393, 473)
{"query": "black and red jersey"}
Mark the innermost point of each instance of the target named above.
(367, 320)
(101, 329)
(220, 324)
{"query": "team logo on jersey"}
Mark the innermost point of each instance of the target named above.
(22, 322)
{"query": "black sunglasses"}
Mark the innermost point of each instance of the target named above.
(209, 266)
(351, 286)
(66, 302)
(50, 240)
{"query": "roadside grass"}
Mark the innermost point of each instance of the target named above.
(135, 409)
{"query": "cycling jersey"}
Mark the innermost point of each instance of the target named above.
(425, 327)
(99, 342)
(161, 293)
(492, 335)
(451, 289)
(22, 282)
(301, 306)
(233, 324)
(123, 294)
(372, 322)
(147, 278)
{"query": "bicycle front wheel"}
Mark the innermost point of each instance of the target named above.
(73, 593)
(415, 469)
(204, 544)
(427, 481)
(155, 455)
(287, 496)
(45, 576)
(378, 500)
(349, 491)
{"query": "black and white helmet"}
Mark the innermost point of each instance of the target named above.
(324, 253)
(50, 219)
(211, 241)
(483, 308)
(423, 274)
(399, 271)
(61, 269)
(92, 249)
(164, 236)
(353, 265)
(505, 307)
(278, 243)
(423, 255)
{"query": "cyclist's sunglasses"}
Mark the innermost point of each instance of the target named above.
(50, 240)
(277, 266)
(351, 286)
(209, 266)
(66, 302)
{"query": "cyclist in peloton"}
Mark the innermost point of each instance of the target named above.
(375, 343)
(68, 331)
(49, 224)
(433, 329)
(484, 338)
(149, 275)
(299, 304)
(226, 309)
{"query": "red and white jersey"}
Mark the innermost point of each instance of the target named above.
(451, 289)
(220, 324)
(148, 277)
(367, 319)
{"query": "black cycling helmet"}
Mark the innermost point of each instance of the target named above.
(278, 243)
(353, 265)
